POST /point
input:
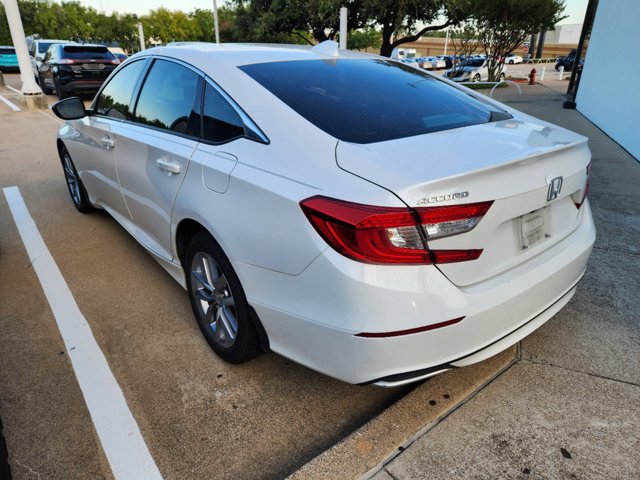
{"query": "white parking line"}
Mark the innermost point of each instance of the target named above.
(14, 89)
(13, 107)
(117, 430)
(46, 114)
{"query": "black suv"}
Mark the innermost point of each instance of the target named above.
(567, 62)
(69, 68)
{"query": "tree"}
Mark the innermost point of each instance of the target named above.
(203, 20)
(409, 20)
(503, 25)
(465, 42)
(364, 39)
(167, 26)
(279, 20)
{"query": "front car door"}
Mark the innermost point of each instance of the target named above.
(95, 146)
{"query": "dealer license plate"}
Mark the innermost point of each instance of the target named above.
(533, 228)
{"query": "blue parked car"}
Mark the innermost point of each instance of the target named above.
(8, 59)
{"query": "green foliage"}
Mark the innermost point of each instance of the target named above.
(73, 21)
(364, 39)
(502, 25)
(283, 21)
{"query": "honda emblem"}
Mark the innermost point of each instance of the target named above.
(554, 189)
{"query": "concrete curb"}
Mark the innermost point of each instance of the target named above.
(368, 449)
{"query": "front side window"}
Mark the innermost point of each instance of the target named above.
(221, 122)
(169, 99)
(115, 97)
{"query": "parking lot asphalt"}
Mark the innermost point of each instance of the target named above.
(572, 387)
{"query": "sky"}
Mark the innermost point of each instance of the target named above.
(575, 9)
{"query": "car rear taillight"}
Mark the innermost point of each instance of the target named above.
(66, 61)
(580, 197)
(392, 235)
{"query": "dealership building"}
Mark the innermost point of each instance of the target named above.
(608, 92)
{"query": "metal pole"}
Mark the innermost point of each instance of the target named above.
(29, 85)
(343, 28)
(586, 30)
(215, 21)
(141, 36)
(446, 42)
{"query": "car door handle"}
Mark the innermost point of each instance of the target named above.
(108, 142)
(168, 165)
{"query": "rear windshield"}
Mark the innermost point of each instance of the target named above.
(82, 52)
(7, 51)
(372, 100)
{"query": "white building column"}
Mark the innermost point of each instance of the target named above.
(29, 85)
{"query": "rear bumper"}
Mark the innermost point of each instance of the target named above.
(9, 67)
(81, 86)
(312, 318)
(81, 82)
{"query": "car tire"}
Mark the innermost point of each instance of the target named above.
(218, 301)
(61, 95)
(43, 86)
(476, 78)
(74, 184)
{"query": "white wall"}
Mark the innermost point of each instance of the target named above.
(609, 91)
(566, 33)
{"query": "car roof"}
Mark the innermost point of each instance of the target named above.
(237, 54)
(7, 46)
(75, 45)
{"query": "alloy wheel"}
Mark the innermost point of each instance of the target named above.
(214, 300)
(71, 177)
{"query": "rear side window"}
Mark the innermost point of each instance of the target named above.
(115, 97)
(369, 100)
(7, 51)
(221, 122)
(82, 52)
(169, 99)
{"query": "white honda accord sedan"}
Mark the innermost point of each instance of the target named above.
(288, 190)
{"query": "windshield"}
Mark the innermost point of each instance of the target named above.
(44, 46)
(365, 101)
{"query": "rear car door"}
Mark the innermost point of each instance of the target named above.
(153, 152)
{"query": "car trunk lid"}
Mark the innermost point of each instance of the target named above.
(513, 163)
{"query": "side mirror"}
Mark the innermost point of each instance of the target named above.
(69, 108)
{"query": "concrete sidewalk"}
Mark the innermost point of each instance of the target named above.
(568, 405)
